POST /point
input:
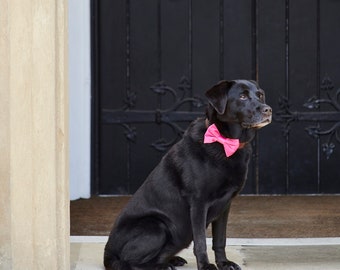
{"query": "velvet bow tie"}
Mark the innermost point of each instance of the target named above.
(213, 135)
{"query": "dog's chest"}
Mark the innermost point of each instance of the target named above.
(229, 179)
(231, 173)
(218, 206)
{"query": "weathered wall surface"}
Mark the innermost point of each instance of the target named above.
(34, 199)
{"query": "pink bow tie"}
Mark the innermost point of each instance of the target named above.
(213, 135)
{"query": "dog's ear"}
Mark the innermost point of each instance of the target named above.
(254, 82)
(217, 95)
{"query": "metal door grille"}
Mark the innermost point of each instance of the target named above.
(153, 60)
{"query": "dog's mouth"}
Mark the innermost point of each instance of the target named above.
(259, 124)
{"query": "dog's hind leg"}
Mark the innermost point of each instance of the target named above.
(137, 245)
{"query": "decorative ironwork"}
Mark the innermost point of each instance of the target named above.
(169, 116)
(285, 115)
(332, 99)
(130, 100)
(130, 133)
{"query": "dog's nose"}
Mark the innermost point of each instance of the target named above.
(266, 110)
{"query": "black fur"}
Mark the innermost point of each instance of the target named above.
(191, 187)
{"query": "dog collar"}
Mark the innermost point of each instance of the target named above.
(213, 135)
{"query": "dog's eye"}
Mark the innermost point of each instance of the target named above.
(260, 95)
(243, 96)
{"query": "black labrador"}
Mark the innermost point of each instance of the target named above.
(192, 186)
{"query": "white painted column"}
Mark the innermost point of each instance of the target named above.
(34, 197)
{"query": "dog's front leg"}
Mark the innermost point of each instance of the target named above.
(198, 214)
(219, 231)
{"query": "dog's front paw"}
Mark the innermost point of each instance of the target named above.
(228, 265)
(177, 261)
(164, 266)
(208, 267)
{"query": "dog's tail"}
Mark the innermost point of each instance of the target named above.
(117, 265)
(114, 263)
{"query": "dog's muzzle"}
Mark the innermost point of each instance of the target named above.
(266, 118)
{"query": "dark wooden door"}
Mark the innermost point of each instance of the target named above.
(154, 59)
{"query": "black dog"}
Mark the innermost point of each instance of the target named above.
(192, 186)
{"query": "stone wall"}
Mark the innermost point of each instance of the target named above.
(34, 198)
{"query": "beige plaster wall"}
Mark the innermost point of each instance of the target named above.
(34, 199)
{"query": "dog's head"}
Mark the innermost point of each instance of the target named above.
(238, 102)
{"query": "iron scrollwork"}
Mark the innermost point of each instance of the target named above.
(169, 116)
(332, 99)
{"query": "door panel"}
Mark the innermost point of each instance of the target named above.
(154, 59)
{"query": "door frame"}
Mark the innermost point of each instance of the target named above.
(80, 98)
